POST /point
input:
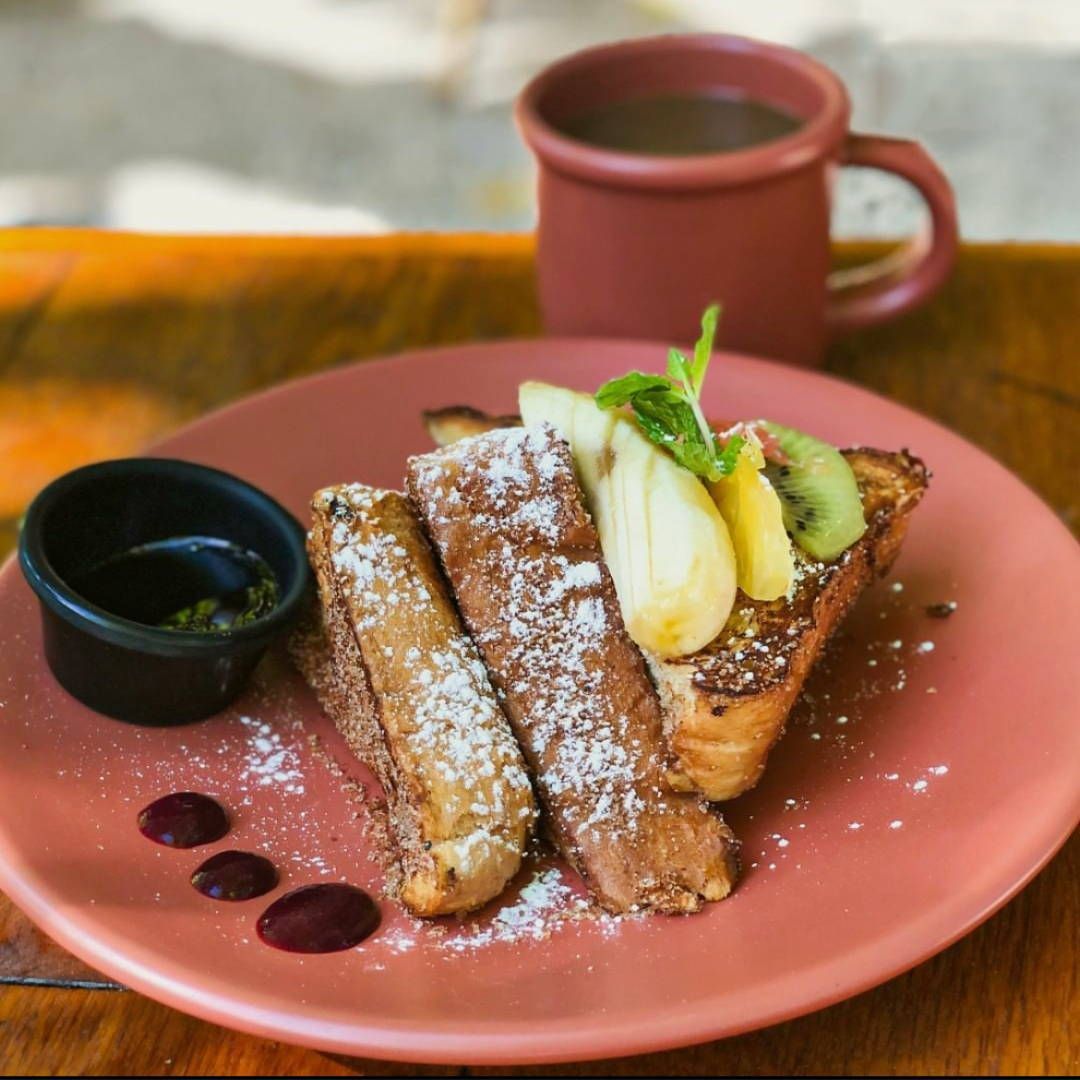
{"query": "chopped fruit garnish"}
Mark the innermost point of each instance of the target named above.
(820, 498)
(763, 557)
(770, 445)
(663, 538)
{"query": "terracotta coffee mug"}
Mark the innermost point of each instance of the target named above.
(636, 245)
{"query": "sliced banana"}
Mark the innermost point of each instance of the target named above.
(664, 540)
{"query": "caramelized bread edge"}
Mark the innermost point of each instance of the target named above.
(721, 735)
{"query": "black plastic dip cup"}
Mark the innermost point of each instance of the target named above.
(125, 669)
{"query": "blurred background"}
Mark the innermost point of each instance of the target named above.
(369, 116)
(373, 115)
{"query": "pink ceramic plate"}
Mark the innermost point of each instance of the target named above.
(934, 771)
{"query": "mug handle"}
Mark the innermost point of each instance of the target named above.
(864, 295)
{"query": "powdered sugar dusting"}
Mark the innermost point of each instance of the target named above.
(546, 904)
(447, 725)
(268, 760)
(557, 635)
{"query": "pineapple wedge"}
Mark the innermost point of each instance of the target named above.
(663, 538)
(764, 560)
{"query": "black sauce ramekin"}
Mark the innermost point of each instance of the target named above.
(146, 674)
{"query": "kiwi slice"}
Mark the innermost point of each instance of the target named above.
(819, 497)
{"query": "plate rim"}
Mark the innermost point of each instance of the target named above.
(584, 1038)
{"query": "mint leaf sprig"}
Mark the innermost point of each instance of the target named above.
(668, 407)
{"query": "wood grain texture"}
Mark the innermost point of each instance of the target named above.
(119, 1033)
(161, 329)
(29, 955)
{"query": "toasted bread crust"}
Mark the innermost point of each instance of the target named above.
(505, 514)
(725, 706)
(405, 686)
(455, 422)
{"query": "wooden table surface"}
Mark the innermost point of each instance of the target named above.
(107, 341)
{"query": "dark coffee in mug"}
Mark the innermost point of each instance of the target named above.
(679, 125)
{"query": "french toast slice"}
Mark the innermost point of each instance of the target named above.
(405, 686)
(506, 516)
(726, 705)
